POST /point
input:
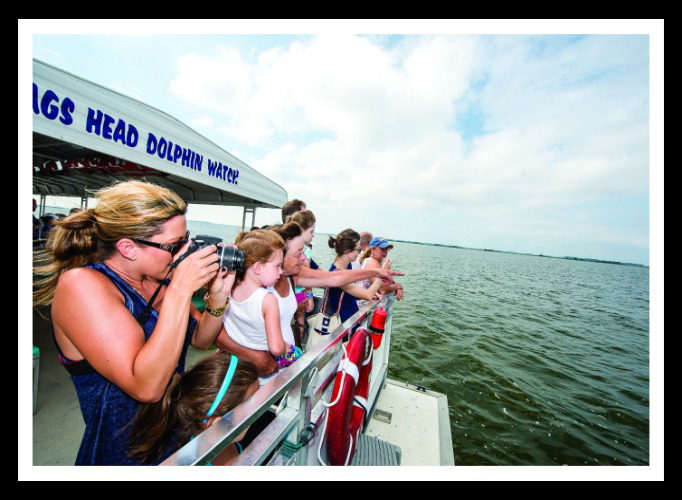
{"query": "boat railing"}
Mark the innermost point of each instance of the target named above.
(292, 393)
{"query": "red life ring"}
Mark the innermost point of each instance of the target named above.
(351, 388)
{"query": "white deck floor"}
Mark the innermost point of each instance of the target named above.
(416, 424)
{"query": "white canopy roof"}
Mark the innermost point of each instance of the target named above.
(86, 136)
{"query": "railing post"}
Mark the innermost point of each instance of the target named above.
(302, 397)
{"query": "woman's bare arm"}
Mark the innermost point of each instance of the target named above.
(110, 338)
(308, 277)
(262, 360)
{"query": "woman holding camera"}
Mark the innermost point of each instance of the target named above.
(120, 333)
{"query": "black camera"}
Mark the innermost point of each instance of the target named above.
(231, 258)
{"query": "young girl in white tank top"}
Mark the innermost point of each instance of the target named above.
(253, 318)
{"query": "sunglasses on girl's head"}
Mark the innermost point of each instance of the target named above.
(173, 248)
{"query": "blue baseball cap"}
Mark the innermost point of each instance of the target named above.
(380, 242)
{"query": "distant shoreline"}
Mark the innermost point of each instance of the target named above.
(585, 259)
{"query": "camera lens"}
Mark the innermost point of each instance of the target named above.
(231, 258)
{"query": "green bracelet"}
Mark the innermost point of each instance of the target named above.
(216, 312)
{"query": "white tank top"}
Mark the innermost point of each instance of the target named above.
(287, 309)
(244, 320)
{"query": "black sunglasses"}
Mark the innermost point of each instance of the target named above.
(173, 248)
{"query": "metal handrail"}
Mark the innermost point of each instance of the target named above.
(212, 441)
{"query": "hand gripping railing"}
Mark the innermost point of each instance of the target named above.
(294, 382)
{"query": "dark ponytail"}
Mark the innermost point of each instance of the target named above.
(344, 242)
(288, 232)
(154, 423)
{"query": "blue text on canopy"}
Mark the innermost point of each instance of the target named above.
(49, 105)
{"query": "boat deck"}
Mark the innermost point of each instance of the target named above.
(416, 420)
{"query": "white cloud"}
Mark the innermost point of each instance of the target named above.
(220, 83)
(348, 123)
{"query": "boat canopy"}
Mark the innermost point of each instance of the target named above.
(86, 137)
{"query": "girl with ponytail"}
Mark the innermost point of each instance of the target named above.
(122, 318)
(347, 247)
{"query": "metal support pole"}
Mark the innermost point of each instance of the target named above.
(252, 211)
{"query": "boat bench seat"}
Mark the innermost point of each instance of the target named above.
(373, 451)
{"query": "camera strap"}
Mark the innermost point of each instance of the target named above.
(144, 315)
(177, 261)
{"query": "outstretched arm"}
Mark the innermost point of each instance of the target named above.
(315, 278)
(360, 292)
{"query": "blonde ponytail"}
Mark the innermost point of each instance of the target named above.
(129, 209)
(365, 254)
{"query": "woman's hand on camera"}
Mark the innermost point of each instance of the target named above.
(195, 270)
(220, 288)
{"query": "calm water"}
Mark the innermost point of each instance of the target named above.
(544, 361)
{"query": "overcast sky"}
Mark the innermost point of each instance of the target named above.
(522, 142)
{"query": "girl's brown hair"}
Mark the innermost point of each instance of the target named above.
(258, 245)
(345, 241)
(304, 218)
(130, 209)
(163, 427)
(291, 207)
